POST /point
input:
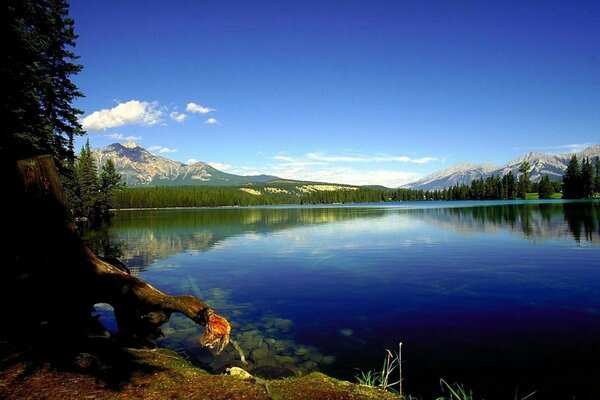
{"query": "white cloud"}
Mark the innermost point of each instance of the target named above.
(349, 176)
(120, 136)
(211, 121)
(219, 165)
(191, 161)
(133, 112)
(176, 116)
(321, 157)
(161, 149)
(197, 108)
(367, 159)
(566, 148)
(283, 157)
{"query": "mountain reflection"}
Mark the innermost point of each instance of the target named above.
(140, 237)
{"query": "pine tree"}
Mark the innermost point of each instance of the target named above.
(587, 178)
(37, 90)
(523, 182)
(572, 180)
(545, 188)
(597, 175)
(110, 180)
(508, 181)
(87, 181)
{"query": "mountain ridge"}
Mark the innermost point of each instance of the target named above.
(139, 167)
(553, 165)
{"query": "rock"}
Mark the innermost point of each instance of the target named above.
(239, 373)
(272, 372)
(301, 351)
(328, 360)
(346, 332)
(263, 357)
(283, 324)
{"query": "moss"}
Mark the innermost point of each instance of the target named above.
(154, 374)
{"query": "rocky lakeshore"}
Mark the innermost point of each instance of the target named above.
(103, 370)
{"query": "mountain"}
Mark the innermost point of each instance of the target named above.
(541, 164)
(457, 174)
(139, 167)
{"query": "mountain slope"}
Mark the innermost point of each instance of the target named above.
(139, 167)
(541, 164)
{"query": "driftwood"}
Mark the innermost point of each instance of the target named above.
(58, 280)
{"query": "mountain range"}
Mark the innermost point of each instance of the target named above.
(553, 165)
(139, 167)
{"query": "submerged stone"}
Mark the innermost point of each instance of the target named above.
(272, 372)
(283, 324)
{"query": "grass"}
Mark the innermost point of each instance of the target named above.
(459, 392)
(383, 379)
(536, 196)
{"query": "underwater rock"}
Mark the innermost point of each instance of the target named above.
(263, 357)
(310, 365)
(346, 332)
(287, 360)
(283, 324)
(272, 372)
(301, 351)
(328, 360)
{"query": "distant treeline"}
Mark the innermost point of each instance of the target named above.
(491, 188)
(195, 196)
(199, 196)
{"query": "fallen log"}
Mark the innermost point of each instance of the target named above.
(57, 279)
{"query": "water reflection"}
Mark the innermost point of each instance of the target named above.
(536, 221)
(479, 291)
(140, 237)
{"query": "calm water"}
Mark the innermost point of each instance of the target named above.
(504, 297)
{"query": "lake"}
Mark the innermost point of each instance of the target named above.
(501, 296)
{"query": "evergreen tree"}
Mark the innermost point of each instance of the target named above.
(37, 91)
(508, 181)
(545, 188)
(597, 175)
(572, 180)
(523, 182)
(87, 182)
(110, 180)
(587, 178)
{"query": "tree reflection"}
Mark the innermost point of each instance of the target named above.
(583, 218)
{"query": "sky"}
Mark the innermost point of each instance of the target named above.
(356, 92)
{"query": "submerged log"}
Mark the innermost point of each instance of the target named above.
(58, 279)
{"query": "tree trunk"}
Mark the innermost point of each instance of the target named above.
(58, 280)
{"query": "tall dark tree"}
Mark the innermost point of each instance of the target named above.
(37, 91)
(587, 178)
(86, 171)
(508, 181)
(523, 182)
(109, 181)
(545, 188)
(572, 180)
(597, 175)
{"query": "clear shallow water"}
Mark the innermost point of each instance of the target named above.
(501, 296)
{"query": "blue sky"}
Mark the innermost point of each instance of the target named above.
(360, 92)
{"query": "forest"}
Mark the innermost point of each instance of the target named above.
(579, 181)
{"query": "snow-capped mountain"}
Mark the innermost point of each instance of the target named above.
(139, 167)
(541, 164)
